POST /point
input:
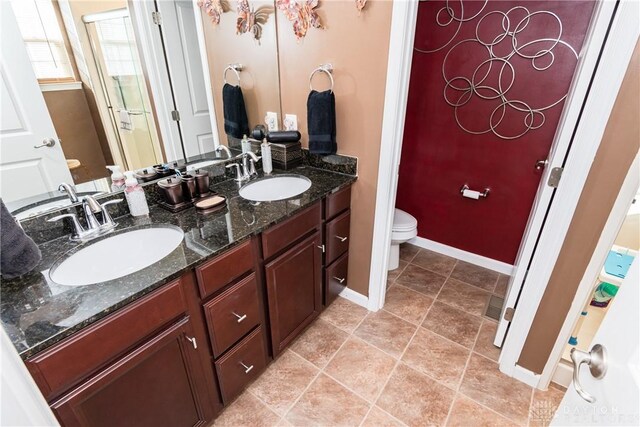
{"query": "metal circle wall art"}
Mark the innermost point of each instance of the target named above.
(504, 42)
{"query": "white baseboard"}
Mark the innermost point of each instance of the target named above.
(563, 374)
(355, 297)
(482, 261)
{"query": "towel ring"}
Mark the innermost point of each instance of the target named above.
(236, 68)
(323, 68)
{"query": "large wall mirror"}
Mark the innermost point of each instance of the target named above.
(88, 84)
(255, 51)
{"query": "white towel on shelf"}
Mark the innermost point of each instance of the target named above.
(126, 121)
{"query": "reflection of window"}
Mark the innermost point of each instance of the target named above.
(116, 46)
(42, 35)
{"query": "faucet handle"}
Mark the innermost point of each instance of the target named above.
(112, 202)
(239, 177)
(79, 232)
(253, 159)
(108, 222)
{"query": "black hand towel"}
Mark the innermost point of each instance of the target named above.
(18, 252)
(236, 123)
(321, 122)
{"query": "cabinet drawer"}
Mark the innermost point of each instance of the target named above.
(223, 269)
(336, 237)
(282, 235)
(241, 365)
(63, 365)
(232, 314)
(337, 202)
(336, 278)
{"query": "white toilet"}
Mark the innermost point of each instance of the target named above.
(405, 228)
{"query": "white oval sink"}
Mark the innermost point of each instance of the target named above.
(116, 256)
(274, 188)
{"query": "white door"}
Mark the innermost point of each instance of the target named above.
(617, 394)
(24, 122)
(187, 77)
(559, 150)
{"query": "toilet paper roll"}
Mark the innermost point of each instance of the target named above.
(471, 194)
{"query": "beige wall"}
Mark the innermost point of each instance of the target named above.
(629, 235)
(74, 126)
(357, 46)
(618, 148)
(259, 78)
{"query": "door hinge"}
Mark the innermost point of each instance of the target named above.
(175, 115)
(508, 314)
(554, 177)
(157, 17)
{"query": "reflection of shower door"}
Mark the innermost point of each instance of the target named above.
(116, 56)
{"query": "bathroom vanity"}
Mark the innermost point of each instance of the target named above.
(175, 342)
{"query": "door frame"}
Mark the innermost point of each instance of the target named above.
(576, 166)
(402, 33)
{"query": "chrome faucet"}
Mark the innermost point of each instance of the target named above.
(94, 228)
(71, 192)
(225, 149)
(91, 208)
(248, 168)
(249, 161)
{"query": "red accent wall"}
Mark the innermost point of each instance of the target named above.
(439, 157)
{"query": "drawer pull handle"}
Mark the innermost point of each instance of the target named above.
(240, 318)
(339, 279)
(247, 369)
(342, 239)
(193, 341)
(321, 247)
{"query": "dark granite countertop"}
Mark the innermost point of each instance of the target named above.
(37, 313)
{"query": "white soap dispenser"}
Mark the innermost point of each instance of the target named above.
(117, 178)
(265, 150)
(134, 194)
(245, 144)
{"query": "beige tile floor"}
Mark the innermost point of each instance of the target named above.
(427, 358)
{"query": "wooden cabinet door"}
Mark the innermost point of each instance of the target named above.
(158, 384)
(294, 290)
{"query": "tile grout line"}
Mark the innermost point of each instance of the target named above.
(482, 404)
(395, 367)
(464, 372)
(530, 406)
(399, 360)
(321, 370)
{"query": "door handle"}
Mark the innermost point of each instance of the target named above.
(541, 164)
(47, 142)
(596, 360)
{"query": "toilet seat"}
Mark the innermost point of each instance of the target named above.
(403, 221)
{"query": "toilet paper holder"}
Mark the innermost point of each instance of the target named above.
(466, 192)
